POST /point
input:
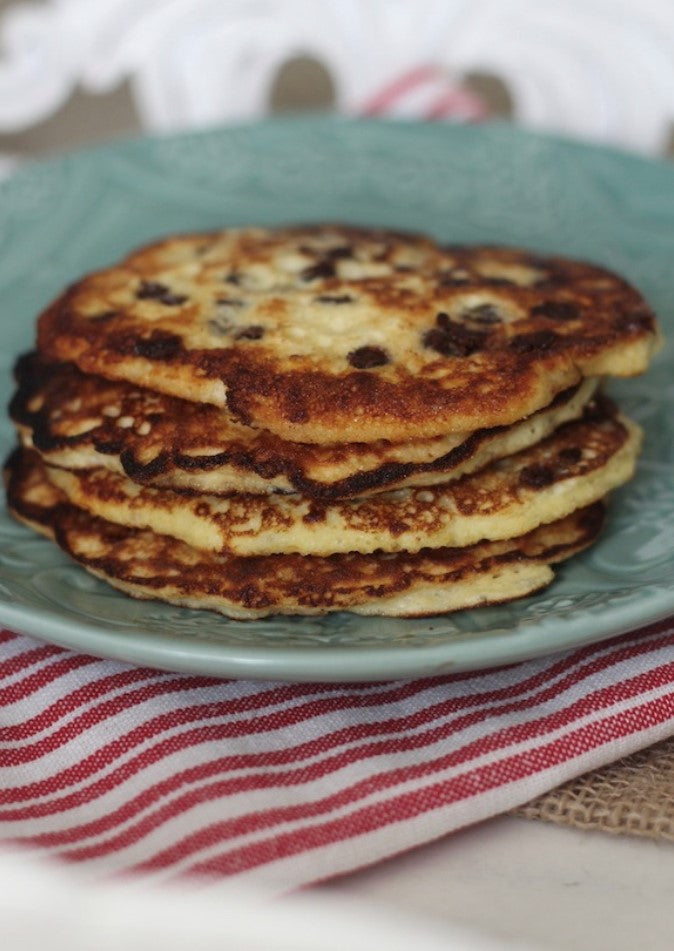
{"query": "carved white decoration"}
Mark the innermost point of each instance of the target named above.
(600, 69)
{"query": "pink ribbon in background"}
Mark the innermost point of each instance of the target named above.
(426, 92)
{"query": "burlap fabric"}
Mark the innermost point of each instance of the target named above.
(634, 796)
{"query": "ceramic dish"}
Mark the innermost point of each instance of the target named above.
(490, 183)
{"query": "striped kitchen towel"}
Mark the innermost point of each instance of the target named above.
(277, 785)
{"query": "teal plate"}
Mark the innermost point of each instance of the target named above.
(491, 183)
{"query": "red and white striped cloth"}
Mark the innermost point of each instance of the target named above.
(279, 785)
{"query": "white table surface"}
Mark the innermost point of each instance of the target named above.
(506, 885)
(529, 884)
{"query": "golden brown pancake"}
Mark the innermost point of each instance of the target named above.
(146, 565)
(78, 421)
(329, 334)
(577, 465)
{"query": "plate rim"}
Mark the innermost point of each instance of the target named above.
(352, 664)
(313, 120)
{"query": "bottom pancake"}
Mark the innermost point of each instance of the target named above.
(437, 581)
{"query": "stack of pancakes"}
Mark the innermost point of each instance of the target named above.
(325, 418)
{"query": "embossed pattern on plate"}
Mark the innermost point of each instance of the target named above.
(490, 183)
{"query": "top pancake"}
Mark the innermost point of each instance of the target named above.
(324, 334)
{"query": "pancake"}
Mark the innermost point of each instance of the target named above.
(577, 465)
(332, 334)
(146, 565)
(79, 421)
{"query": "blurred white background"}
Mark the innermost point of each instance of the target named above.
(43, 907)
(79, 71)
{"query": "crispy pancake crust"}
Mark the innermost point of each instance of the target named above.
(78, 421)
(577, 465)
(332, 334)
(152, 566)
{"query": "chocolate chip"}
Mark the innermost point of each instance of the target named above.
(570, 455)
(174, 300)
(483, 314)
(436, 340)
(158, 346)
(153, 290)
(150, 290)
(365, 358)
(334, 298)
(104, 317)
(330, 254)
(109, 447)
(536, 477)
(452, 278)
(341, 251)
(555, 310)
(232, 278)
(452, 339)
(325, 268)
(634, 320)
(254, 332)
(538, 341)
(316, 513)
